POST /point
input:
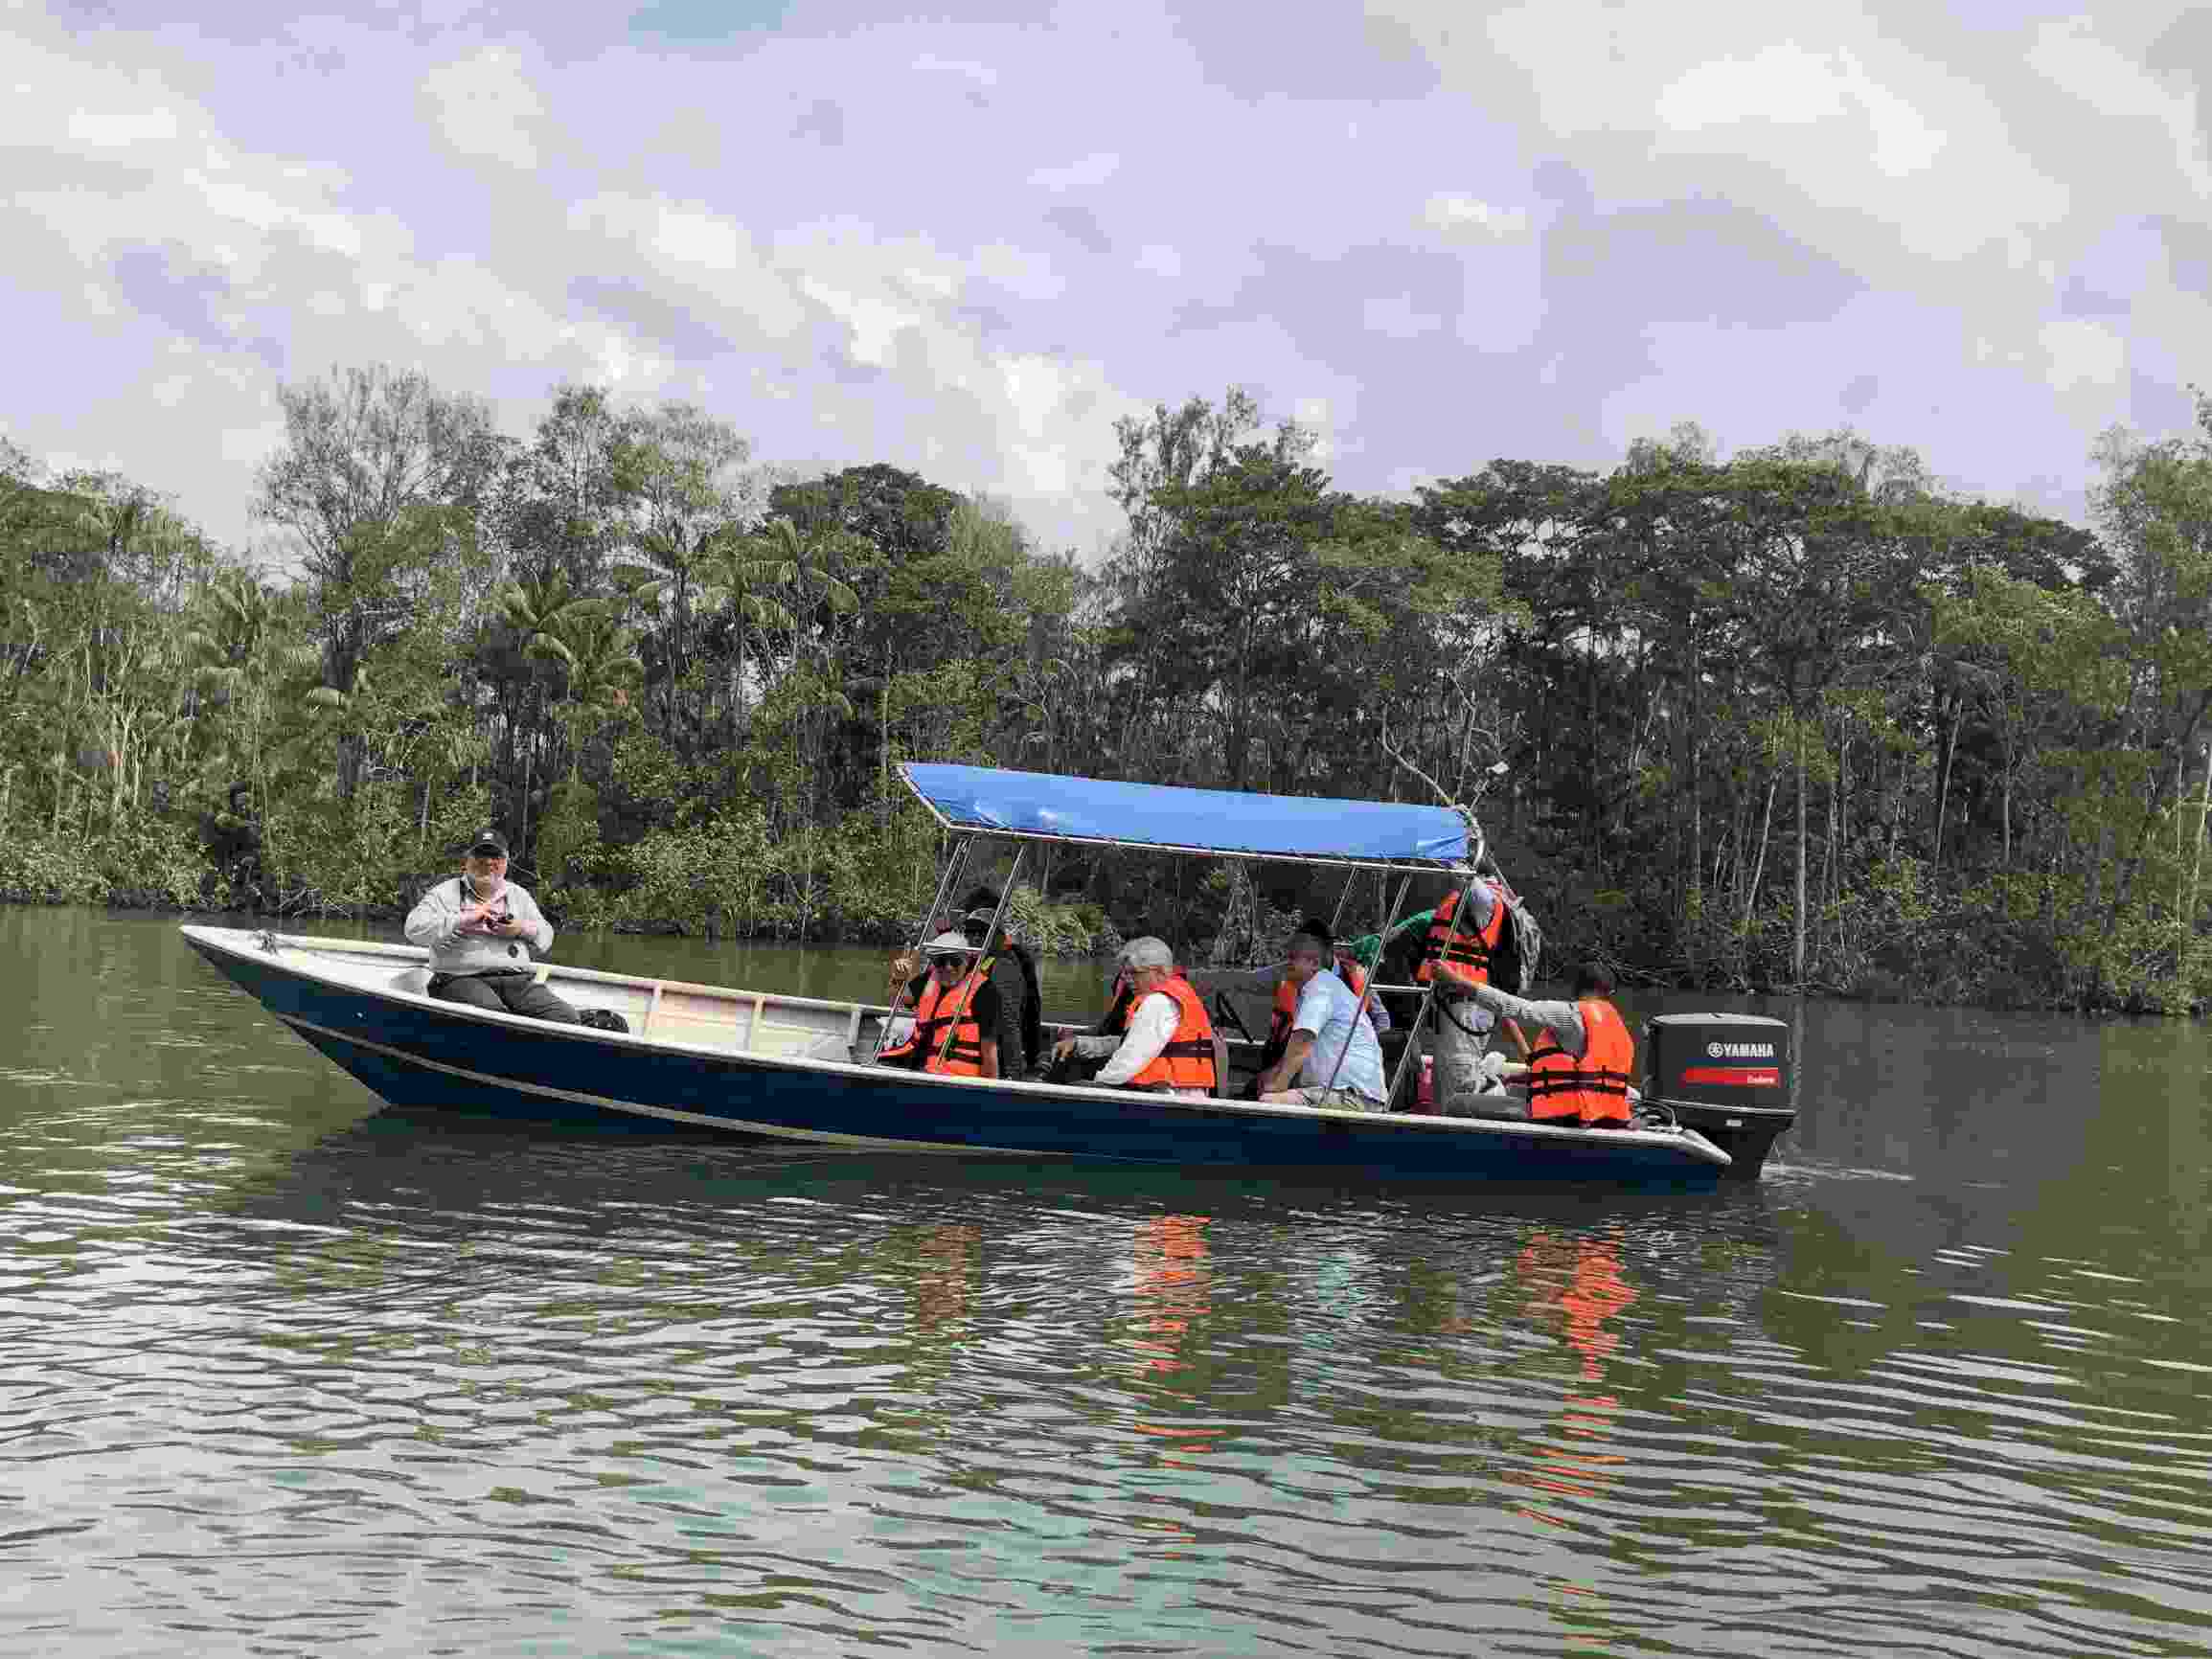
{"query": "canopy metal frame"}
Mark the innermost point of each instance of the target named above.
(990, 954)
(1464, 871)
(1407, 866)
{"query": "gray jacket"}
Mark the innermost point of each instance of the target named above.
(1562, 1019)
(435, 922)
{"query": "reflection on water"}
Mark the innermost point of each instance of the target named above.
(286, 1374)
(1575, 1285)
(945, 1255)
(1170, 1301)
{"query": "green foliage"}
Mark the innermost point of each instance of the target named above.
(145, 862)
(1793, 718)
(47, 870)
(569, 845)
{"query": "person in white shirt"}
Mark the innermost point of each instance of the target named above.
(1147, 1054)
(1328, 1017)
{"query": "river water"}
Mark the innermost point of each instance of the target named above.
(281, 1372)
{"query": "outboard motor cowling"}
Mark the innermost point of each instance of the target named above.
(1724, 1075)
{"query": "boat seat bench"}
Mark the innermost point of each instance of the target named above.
(744, 1023)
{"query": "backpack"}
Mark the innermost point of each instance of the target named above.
(1513, 964)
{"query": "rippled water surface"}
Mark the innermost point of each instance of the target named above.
(283, 1373)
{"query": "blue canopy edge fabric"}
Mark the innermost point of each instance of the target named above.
(1049, 806)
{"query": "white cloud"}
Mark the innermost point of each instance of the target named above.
(1455, 213)
(1022, 271)
(205, 217)
(2083, 354)
(1159, 260)
(975, 73)
(486, 108)
(1087, 173)
(1789, 86)
(873, 324)
(1822, 119)
(2121, 90)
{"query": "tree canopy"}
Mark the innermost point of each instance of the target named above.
(1794, 716)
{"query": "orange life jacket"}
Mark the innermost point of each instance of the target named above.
(1592, 1086)
(1187, 1062)
(1468, 952)
(938, 1008)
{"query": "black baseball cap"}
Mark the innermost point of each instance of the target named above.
(488, 841)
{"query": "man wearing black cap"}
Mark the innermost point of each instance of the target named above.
(1014, 976)
(481, 929)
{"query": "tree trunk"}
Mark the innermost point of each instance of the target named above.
(1797, 944)
(2196, 872)
(1695, 898)
(1759, 864)
(1943, 790)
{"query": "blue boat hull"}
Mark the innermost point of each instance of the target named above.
(415, 1053)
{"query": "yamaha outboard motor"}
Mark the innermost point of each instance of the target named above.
(1724, 1075)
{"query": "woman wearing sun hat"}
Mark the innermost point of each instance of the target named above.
(955, 1019)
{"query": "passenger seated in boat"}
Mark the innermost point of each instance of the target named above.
(1580, 1071)
(1067, 1064)
(1274, 982)
(480, 929)
(1014, 976)
(1168, 1046)
(955, 1019)
(1327, 1018)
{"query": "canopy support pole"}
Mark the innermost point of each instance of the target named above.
(953, 865)
(1418, 1038)
(1366, 991)
(1344, 898)
(983, 962)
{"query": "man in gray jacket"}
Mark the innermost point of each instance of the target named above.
(481, 929)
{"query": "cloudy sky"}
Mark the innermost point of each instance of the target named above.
(964, 240)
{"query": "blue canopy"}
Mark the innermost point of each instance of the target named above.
(1044, 807)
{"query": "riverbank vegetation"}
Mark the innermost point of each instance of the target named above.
(1796, 717)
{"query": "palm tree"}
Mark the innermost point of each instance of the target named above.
(804, 566)
(235, 659)
(739, 568)
(140, 540)
(601, 664)
(537, 607)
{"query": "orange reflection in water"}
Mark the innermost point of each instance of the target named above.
(1170, 1295)
(945, 1254)
(1579, 1283)
(1171, 1286)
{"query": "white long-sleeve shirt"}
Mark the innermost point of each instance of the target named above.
(435, 922)
(1151, 1027)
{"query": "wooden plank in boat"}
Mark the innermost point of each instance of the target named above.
(704, 1021)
